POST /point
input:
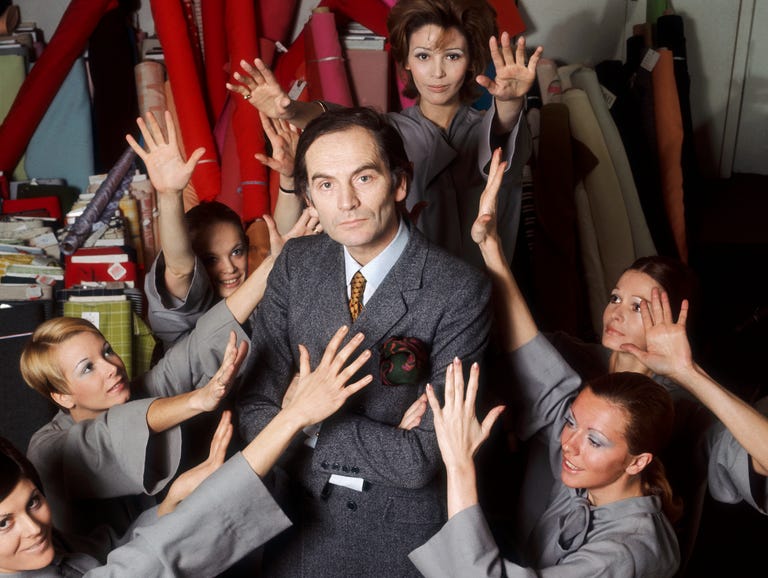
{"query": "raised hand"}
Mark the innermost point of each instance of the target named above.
(484, 226)
(283, 137)
(188, 482)
(259, 86)
(513, 77)
(320, 393)
(459, 433)
(305, 225)
(668, 351)
(209, 396)
(166, 168)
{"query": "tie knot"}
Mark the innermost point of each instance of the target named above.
(357, 288)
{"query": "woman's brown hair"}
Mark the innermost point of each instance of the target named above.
(475, 19)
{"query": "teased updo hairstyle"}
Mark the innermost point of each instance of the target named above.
(650, 419)
(39, 366)
(389, 144)
(14, 467)
(475, 19)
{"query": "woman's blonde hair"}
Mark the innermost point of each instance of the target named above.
(475, 19)
(39, 366)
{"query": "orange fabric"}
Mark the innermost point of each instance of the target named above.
(669, 141)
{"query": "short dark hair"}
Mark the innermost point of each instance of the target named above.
(14, 467)
(388, 142)
(475, 19)
(207, 213)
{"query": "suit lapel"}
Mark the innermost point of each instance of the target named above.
(390, 302)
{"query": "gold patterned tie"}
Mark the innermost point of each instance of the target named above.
(356, 295)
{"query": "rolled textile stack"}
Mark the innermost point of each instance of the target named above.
(326, 73)
(150, 88)
(82, 227)
(586, 79)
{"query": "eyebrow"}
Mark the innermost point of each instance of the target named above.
(591, 430)
(357, 171)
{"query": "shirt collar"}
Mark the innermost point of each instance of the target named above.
(376, 270)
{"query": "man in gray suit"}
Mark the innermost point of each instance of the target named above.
(361, 492)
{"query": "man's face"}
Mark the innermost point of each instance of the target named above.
(350, 192)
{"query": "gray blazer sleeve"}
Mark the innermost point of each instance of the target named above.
(193, 360)
(465, 547)
(543, 383)
(730, 468)
(229, 515)
(111, 455)
(171, 318)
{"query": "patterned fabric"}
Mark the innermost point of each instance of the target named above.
(356, 295)
(114, 320)
(404, 361)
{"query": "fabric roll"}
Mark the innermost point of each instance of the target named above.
(9, 20)
(275, 18)
(243, 44)
(150, 88)
(634, 115)
(82, 226)
(215, 55)
(13, 71)
(370, 13)
(327, 75)
(548, 81)
(129, 207)
(70, 154)
(142, 189)
(589, 245)
(111, 58)
(113, 206)
(555, 239)
(654, 9)
(180, 61)
(609, 214)
(508, 17)
(230, 160)
(669, 140)
(671, 34)
(586, 79)
(564, 75)
(39, 89)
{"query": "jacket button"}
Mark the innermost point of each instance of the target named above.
(355, 470)
(352, 505)
(335, 467)
(324, 465)
(345, 469)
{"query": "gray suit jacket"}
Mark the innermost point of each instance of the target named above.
(428, 295)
